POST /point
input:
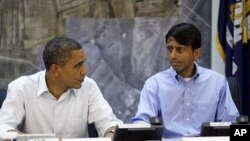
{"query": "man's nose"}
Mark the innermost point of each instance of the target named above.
(83, 70)
(173, 54)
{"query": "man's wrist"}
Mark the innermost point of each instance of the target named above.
(110, 132)
(12, 130)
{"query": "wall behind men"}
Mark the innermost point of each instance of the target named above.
(123, 40)
(217, 63)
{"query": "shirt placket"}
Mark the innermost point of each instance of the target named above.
(187, 106)
(58, 118)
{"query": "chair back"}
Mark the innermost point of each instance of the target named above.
(92, 130)
(234, 87)
(3, 93)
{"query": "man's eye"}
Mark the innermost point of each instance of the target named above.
(180, 50)
(78, 65)
(170, 50)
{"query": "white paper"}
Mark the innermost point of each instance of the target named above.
(138, 125)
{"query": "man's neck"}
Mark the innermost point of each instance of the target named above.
(189, 74)
(53, 87)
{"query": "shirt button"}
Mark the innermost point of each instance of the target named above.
(187, 119)
(188, 104)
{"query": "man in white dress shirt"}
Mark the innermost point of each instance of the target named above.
(60, 99)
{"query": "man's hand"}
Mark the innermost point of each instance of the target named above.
(9, 135)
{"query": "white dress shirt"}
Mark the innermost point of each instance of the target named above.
(33, 109)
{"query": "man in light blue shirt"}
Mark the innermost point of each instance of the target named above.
(60, 100)
(186, 94)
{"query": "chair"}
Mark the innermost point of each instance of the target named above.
(92, 130)
(3, 93)
(234, 87)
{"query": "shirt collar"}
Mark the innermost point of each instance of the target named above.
(176, 76)
(42, 85)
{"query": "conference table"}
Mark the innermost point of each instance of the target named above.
(217, 138)
(221, 138)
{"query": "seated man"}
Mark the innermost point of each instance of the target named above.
(186, 94)
(60, 100)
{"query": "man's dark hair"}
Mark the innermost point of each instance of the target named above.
(57, 51)
(185, 34)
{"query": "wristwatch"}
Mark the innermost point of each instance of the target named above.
(112, 131)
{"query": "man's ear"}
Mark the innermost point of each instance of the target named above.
(54, 69)
(197, 53)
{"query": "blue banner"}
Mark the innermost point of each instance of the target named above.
(233, 44)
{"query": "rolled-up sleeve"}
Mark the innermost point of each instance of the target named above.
(12, 111)
(100, 111)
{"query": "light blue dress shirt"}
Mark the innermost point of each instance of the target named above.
(185, 105)
(29, 102)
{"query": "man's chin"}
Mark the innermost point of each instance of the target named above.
(78, 86)
(176, 68)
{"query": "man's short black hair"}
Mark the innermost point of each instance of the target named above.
(185, 34)
(57, 51)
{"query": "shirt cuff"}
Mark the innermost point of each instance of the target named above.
(4, 128)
